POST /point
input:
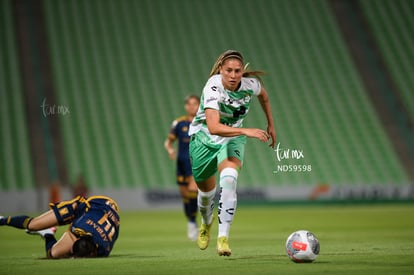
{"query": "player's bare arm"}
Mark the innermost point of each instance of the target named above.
(217, 128)
(168, 145)
(264, 102)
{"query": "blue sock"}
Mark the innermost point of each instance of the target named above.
(20, 222)
(50, 240)
(190, 206)
(191, 210)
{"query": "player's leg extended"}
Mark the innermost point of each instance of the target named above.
(20, 222)
(228, 198)
(227, 205)
(206, 194)
(204, 166)
(46, 220)
(63, 214)
(230, 164)
(40, 225)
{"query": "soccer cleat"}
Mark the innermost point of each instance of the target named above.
(223, 248)
(204, 236)
(3, 220)
(43, 233)
(192, 231)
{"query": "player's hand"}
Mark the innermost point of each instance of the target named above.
(171, 154)
(260, 134)
(272, 134)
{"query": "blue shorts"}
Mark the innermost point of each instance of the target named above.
(183, 170)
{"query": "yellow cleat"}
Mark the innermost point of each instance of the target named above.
(223, 248)
(204, 236)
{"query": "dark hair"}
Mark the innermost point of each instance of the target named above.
(85, 247)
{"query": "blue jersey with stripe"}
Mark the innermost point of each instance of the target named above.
(179, 132)
(98, 216)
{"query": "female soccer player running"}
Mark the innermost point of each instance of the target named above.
(218, 140)
(185, 179)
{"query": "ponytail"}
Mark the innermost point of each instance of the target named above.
(256, 74)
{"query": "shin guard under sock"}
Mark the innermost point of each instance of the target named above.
(228, 200)
(206, 205)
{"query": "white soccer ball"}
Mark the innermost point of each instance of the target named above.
(302, 246)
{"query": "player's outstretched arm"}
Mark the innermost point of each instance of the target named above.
(264, 102)
(215, 127)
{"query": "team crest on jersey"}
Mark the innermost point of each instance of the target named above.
(227, 100)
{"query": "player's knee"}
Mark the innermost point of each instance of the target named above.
(65, 211)
(32, 225)
(228, 178)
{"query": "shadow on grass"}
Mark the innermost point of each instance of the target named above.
(272, 258)
(115, 256)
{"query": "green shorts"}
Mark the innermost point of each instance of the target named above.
(206, 156)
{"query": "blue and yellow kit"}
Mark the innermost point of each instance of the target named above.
(179, 132)
(96, 216)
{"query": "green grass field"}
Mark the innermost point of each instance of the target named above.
(355, 239)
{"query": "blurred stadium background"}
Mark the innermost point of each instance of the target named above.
(88, 90)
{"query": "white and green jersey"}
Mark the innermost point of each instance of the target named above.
(232, 105)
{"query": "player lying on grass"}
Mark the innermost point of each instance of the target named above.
(93, 227)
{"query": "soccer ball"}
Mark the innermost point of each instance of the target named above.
(302, 246)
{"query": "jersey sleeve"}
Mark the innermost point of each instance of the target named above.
(255, 85)
(173, 129)
(211, 95)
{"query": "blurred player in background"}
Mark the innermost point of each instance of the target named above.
(93, 227)
(218, 140)
(185, 179)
